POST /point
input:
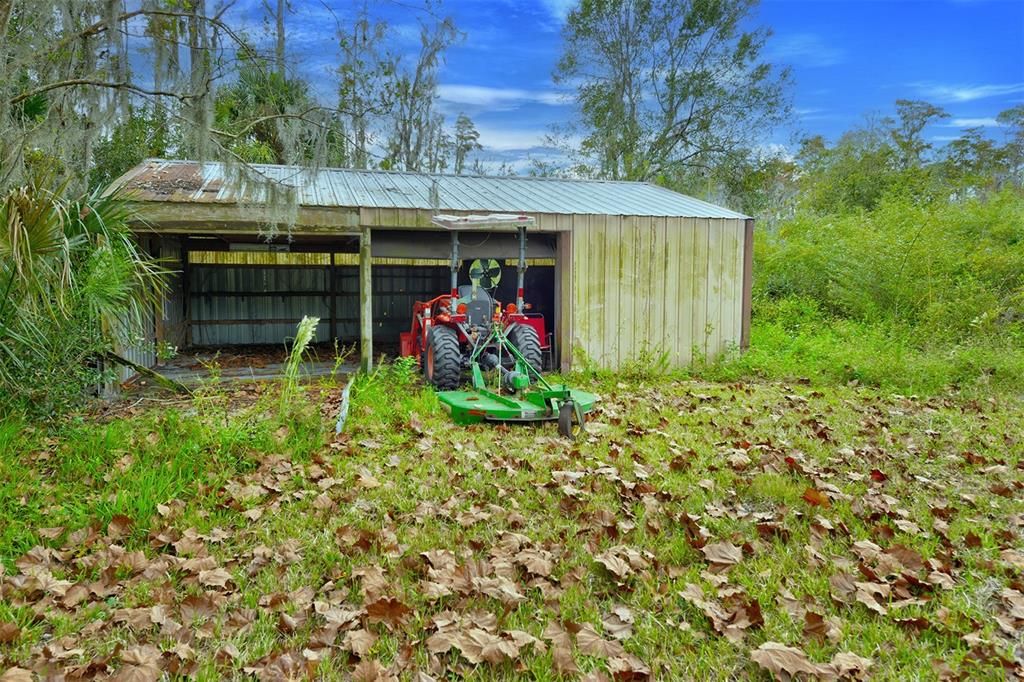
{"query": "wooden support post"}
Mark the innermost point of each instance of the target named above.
(186, 294)
(365, 301)
(332, 292)
(158, 307)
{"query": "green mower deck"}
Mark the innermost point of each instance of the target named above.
(473, 407)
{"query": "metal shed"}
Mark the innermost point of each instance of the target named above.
(634, 268)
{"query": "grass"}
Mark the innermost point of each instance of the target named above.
(791, 339)
(403, 481)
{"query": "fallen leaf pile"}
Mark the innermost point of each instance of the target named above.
(737, 530)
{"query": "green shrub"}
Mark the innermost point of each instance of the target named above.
(73, 285)
(953, 271)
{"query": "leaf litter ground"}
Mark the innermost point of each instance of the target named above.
(700, 531)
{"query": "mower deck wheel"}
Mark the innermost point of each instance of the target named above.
(569, 425)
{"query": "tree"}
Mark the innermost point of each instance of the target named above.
(67, 79)
(854, 173)
(1013, 119)
(974, 161)
(467, 140)
(664, 84)
(415, 124)
(367, 82)
(277, 11)
(914, 116)
(145, 133)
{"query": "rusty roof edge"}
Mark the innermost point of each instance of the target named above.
(119, 182)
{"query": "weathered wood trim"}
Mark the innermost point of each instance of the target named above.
(168, 217)
(748, 281)
(365, 301)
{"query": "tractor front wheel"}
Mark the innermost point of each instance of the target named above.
(442, 361)
(525, 339)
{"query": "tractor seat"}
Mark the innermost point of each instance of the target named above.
(478, 310)
(466, 290)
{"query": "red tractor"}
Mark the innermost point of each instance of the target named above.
(452, 332)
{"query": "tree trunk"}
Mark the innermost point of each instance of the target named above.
(281, 6)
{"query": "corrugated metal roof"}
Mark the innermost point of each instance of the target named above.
(192, 182)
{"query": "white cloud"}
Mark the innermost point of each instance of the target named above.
(498, 98)
(559, 9)
(501, 139)
(987, 122)
(967, 93)
(804, 49)
(506, 139)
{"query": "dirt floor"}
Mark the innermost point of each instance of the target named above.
(199, 365)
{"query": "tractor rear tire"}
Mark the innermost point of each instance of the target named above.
(442, 359)
(525, 339)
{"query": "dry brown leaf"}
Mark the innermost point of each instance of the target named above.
(629, 667)
(374, 583)
(821, 627)
(480, 646)
(614, 563)
(370, 671)
(441, 641)
(786, 662)
(9, 632)
(872, 595)
(851, 665)
(535, 561)
(16, 674)
(141, 664)
(592, 644)
(389, 611)
(724, 553)
(120, 526)
(217, 577)
(561, 649)
(816, 498)
(359, 641)
(619, 623)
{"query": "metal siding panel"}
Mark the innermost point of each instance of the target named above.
(729, 285)
(610, 317)
(583, 283)
(658, 290)
(672, 265)
(595, 265)
(627, 309)
(714, 297)
(684, 306)
(699, 284)
(654, 297)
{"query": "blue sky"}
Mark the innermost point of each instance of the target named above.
(850, 59)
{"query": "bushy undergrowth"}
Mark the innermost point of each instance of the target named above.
(911, 296)
(952, 271)
(73, 286)
(793, 339)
